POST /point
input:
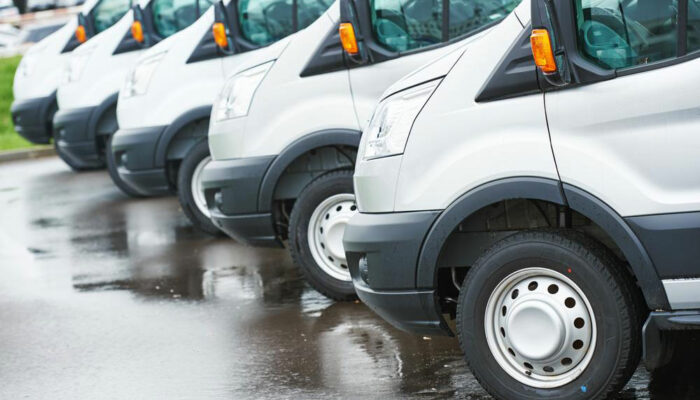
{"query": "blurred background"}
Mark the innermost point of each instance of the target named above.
(23, 23)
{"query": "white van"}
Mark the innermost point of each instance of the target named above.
(87, 97)
(285, 130)
(40, 72)
(164, 107)
(540, 215)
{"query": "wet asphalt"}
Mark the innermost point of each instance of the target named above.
(103, 296)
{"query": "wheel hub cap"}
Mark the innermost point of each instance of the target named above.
(540, 327)
(326, 229)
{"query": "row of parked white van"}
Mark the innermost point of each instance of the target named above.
(526, 173)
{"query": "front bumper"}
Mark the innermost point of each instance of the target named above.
(74, 139)
(382, 252)
(32, 118)
(135, 154)
(231, 188)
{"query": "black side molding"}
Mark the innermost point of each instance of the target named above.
(673, 242)
(515, 75)
(658, 345)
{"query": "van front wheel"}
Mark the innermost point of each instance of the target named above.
(549, 315)
(316, 228)
(189, 188)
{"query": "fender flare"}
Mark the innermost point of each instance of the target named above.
(171, 131)
(547, 190)
(98, 112)
(329, 137)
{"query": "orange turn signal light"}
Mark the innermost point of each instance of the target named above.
(219, 32)
(80, 34)
(347, 38)
(542, 51)
(137, 31)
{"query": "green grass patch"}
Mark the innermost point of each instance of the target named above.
(9, 139)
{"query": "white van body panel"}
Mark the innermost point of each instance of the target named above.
(175, 86)
(287, 106)
(44, 62)
(605, 148)
(435, 169)
(104, 72)
(226, 137)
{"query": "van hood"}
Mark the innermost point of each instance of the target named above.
(433, 70)
(261, 55)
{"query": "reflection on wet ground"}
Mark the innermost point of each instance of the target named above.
(102, 296)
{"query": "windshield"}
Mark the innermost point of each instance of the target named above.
(266, 21)
(171, 16)
(107, 12)
(401, 25)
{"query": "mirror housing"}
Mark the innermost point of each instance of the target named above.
(221, 29)
(557, 56)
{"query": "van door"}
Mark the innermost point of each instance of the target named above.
(402, 35)
(633, 141)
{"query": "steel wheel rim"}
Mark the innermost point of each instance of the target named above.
(325, 234)
(540, 328)
(196, 187)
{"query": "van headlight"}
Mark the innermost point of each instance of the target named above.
(76, 64)
(235, 98)
(140, 75)
(387, 132)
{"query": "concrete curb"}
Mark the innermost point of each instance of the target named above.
(25, 154)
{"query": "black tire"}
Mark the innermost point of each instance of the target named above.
(323, 187)
(602, 279)
(184, 189)
(114, 173)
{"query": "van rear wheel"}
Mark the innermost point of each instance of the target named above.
(316, 228)
(114, 172)
(189, 188)
(549, 314)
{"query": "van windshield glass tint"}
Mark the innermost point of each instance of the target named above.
(401, 25)
(265, 21)
(107, 12)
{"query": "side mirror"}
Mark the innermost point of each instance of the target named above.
(554, 42)
(137, 26)
(220, 29)
(547, 47)
(350, 36)
(545, 59)
(81, 33)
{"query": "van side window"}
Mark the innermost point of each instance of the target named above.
(467, 16)
(265, 21)
(308, 11)
(623, 33)
(107, 12)
(693, 27)
(402, 25)
(172, 15)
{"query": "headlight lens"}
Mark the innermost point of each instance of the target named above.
(139, 76)
(76, 64)
(235, 98)
(387, 132)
